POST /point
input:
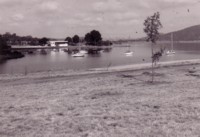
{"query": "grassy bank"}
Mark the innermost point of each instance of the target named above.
(120, 103)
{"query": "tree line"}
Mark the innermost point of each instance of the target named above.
(8, 39)
(93, 38)
(14, 39)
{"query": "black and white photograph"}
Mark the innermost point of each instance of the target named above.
(99, 68)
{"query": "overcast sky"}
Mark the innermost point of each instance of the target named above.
(113, 18)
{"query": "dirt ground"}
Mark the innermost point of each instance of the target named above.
(116, 104)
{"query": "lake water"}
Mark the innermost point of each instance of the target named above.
(61, 60)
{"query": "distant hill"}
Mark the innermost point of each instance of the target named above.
(187, 34)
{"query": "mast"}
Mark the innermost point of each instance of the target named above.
(172, 42)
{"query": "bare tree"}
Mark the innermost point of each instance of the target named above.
(152, 25)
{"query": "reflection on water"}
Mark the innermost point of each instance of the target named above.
(61, 60)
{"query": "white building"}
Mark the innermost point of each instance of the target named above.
(58, 43)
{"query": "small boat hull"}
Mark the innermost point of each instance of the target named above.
(171, 52)
(78, 55)
(130, 53)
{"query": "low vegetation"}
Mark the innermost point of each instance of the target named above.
(5, 51)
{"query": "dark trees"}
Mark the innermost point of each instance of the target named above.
(43, 41)
(76, 39)
(4, 48)
(13, 39)
(93, 38)
(68, 39)
(88, 38)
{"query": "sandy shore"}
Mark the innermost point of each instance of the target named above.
(113, 102)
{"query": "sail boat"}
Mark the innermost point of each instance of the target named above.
(129, 52)
(171, 52)
(80, 53)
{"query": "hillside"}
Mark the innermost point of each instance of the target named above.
(188, 34)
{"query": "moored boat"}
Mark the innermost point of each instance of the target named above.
(171, 52)
(78, 55)
(129, 53)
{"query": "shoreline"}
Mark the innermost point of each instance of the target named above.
(145, 66)
(12, 55)
(112, 69)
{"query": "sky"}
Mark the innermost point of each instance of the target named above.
(115, 19)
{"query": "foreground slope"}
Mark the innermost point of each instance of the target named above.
(118, 104)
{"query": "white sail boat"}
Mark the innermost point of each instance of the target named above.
(171, 52)
(78, 54)
(129, 52)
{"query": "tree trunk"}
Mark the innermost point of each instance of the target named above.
(152, 65)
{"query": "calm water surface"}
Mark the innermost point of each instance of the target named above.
(116, 57)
